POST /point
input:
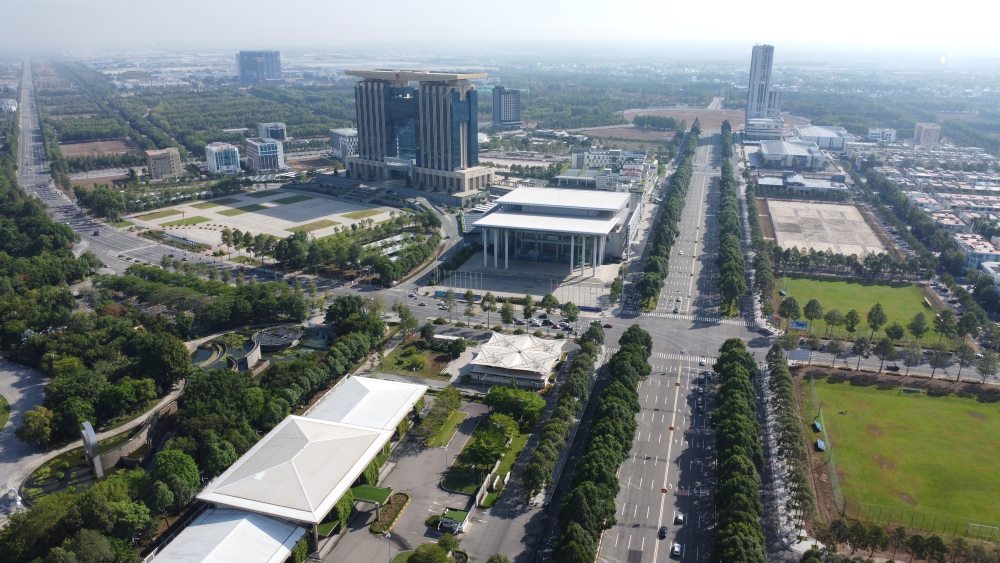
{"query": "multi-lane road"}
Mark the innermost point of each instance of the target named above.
(668, 477)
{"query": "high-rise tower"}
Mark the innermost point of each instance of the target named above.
(762, 102)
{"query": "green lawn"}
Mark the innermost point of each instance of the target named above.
(371, 494)
(159, 214)
(266, 193)
(399, 361)
(900, 303)
(402, 556)
(4, 411)
(516, 445)
(443, 436)
(314, 226)
(243, 260)
(242, 210)
(122, 224)
(361, 214)
(293, 199)
(186, 221)
(912, 451)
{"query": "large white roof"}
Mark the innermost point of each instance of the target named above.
(224, 535)
(298, 470)
(374, 403)
(548, 223)
(519, 352)
(571, 199)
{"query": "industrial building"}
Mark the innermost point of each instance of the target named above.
(506, 108)
(426, 133)
(265, 154)
(275, 130)
(222, 158)
(883, 136)
(826, 138)
(791, 154)
(165, 163)
(258, 67)
(344, 142)
(522, 360)
(579, 228)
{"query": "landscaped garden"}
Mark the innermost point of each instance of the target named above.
(416, 358)
(389, 513)
(493, 439)
(445, 433)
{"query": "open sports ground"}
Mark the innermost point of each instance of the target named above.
(900, 302)
(899, 458)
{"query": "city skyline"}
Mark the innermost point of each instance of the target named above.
(853, 26)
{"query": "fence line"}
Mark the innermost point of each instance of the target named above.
(922, 521)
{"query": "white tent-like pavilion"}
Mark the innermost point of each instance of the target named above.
(225, 535)
(373, 403)
(521, 359)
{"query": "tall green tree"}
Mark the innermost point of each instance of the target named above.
(851, 321)
(945, 324)
(489, 304)
(789, 309)
(507, 312)
(918, 326)
(988, 365)
(812, 311)
(876, 319)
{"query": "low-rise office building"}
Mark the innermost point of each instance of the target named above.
(265, 154)
(882, 135)
(826, 138)
(222, 158)
(764, 128)
(276, 130)
(793, 154)
(344, 142)
(949, 222)
(165, 163)
(976, 249)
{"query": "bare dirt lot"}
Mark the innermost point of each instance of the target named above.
(630, 133)
(711, 119)
(822, 226)
(97, 148)
(308, 163)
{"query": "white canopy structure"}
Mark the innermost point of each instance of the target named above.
(519, 359)
(373, 403)
(223, 535)
(298, 470)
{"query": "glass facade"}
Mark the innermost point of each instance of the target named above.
(403, 123)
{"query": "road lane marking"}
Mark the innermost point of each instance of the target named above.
(666, 474)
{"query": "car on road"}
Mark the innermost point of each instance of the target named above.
(421, 304)
(701, 362)
(663, 533)
(97, 232)
(681, 253)
(535, 322)
(679, 519)
(413, 295)
(607, 325)
(679, 299)
(518, 322)
(676, 310)
(442, 307)
(893, 367)
(675, 550)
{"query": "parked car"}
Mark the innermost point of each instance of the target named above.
(663, 533)
(607, 325)
(675, 550)
(679, 518)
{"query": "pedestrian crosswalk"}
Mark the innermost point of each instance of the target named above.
(709, 360)
(693, 318)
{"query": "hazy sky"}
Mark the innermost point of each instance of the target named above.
(962, 27)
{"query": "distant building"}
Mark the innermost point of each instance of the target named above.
(164, 163)
(762, 102)
(884, 136)
(223, 158)
(795, 155)
(826, 138)
(8, 106)
(949, 222)
(927, 135)
(764, 128)
(258, 67)
(993, 269)
(272, 131)
(344, 142)
(506, 108)
(265, 154)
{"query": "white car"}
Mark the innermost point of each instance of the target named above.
(675, 550)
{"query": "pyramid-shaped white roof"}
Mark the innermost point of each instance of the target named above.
(298, 470)
(520, 352)
(225, 535)
(373, 403)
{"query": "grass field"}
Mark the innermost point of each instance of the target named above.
(215, 203)
(186, 221)
(362, 213)
(914, 452)
(4, 411)
(241, 210)
(159, 214)
(292, 199)
(443, 436)
(314, 226)
(121, 224)
(900, 303)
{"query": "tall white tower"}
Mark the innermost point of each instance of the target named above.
(761, 102)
